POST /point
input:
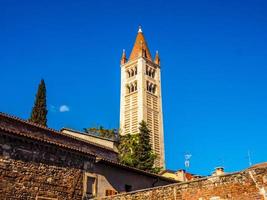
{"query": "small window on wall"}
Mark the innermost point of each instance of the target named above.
(128, 188)
(111, 192)
(90, 186)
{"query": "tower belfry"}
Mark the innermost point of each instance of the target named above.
(141, 95)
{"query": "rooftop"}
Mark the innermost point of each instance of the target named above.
(15, 126)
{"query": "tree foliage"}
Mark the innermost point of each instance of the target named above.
(39, 110)
(127, 149)
(102, 132)
(136, 151)
(143, 152)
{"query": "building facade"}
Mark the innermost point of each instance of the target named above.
(249, 184)
(141, 95)
(43, 164)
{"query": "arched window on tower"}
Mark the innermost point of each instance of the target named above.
(128, 74)
(154, 89)
(150, 72)
(135, 86)
(132, 88)
(150, 87)
(153, 73)
(128, 89)
(132, 72)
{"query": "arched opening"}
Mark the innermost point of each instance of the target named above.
(132, 72)
(128, 74)
(135, 86)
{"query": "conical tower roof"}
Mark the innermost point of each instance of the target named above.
(140, 47)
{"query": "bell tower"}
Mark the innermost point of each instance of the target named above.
(141, 95)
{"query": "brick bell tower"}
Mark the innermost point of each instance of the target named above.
(141, 95)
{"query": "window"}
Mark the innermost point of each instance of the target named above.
(150, 72)
(90, 186)
(153, 73)
(151, 87)
(128, 188)
(135, 86)
(111, 192)
(131, 72)
(131, 87)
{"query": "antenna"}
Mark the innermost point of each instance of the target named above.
(187, 157)
(249, 158)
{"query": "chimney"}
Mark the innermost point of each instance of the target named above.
(181, 175)
(218, 171)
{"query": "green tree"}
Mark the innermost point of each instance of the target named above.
(135, 150)
(102, 132)
(127, 150)
(39, 110)
(143, 153)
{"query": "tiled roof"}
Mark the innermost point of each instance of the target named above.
(139, 45)
(168, 171)
(17, 126)
(89, 134)
(138, 170)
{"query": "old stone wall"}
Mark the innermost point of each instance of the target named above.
(31, 170)
(22, 180)
(250, 184)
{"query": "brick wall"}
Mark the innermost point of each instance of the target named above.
(22, 180)
(249, 184)
(29, 170)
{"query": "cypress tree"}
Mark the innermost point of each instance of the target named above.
(39, 110)
(143, 153)
(127, 148)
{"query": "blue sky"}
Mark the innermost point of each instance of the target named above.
(214, 70)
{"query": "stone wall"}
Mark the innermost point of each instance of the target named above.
(250, 184)
(35, 163)
(22, 180)
(29, 170)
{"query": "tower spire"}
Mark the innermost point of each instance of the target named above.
(123, 57)
(140, 29)
(157, 59)
(140, 47)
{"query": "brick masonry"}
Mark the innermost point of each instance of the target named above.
(29, 170)
(250, 184)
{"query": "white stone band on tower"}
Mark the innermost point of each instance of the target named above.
(141, 95)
